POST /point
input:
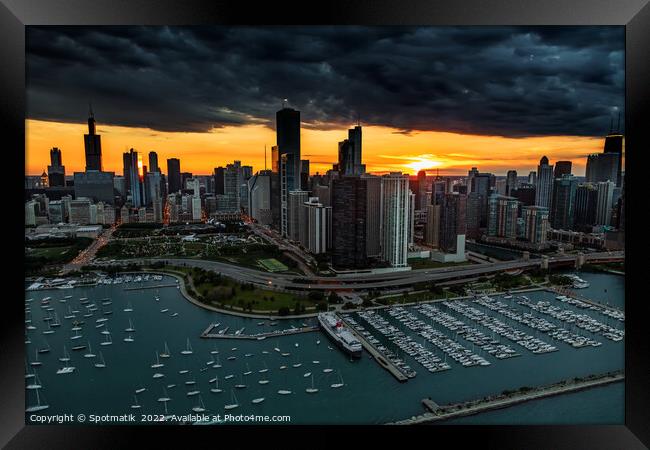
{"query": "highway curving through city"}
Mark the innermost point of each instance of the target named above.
(364, 281)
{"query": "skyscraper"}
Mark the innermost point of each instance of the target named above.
(562, 168)
(373, 215)
(544, 189)
(452, 222)
(503, 216)
(219, 180)
(586, 206)
(421, 192)
(349, 197)
(481, 184)
(602, 167)
(288, 142)
(93, 146)
(259, 197)
(511, 181)
(395, 223)
(564, 195)
(56, 169)
(173, 175)
(604, 207)
(295, 219)
(614, 144)
(318, 226)
(535, 224)
(153, 162)
(135, 178)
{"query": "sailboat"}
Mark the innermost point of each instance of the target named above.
(36, 362)
(136, 405)
(56, 322)
(339, 384)
(157, 364)
(166, 353)
(298, 363)
(77, 335)
(215, 351)
(108, 340)
(307, 374)
(248, 370)
(38, 406)
(27, 374)
(45, 349)
(128, 308)
(164, 397)
(140, 389)
(234, 403)
(90, 353)
(312, 389)
(35, 384)
(263, 381)
(318, 342)
(241, 385)
(217, 365)
(101, 364)
(328, 369)
(200, 407)
(193, 392)
(158, 375)
(128, 338)
(257, 400)
(264, 370)
(284, 392)
(216, 389)
(188, 349)
(130, 329)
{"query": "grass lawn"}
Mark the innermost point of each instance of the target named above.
(272, 265)
(425, 263)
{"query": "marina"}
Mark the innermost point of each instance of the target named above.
(420, 338)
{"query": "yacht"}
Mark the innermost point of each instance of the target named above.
(157, 364)
(101, 364)
(39, 406)
(233, 401)
(200, 407)
(216, 389)
(166, 353)
(188, 349)
(136, 405)
(312, 389)
(255, 401)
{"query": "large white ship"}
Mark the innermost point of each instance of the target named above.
(341, 336)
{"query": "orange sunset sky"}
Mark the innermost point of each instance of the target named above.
(384, 149)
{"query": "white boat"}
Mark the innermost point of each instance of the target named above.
(284, 392)
(140, 389)
(164, 310)
(76, 336)
(188, 349)
(193, 393)
(255, 401)
(296, 344)
(264, 370)
(217, 365)
(136, 405)
(312, 389)
(158, 375)
(183, 371)
(27, 373)
(66, 355)
(318, 342)
(166, 353)
(215, 351)
(108, 340)
(228, 377)
(297, 363)
(164, 397)
(36, 362)
(35, 384)
(90, 353)
(101, 364)
(216, 389)
(129, 308)
(248, 370)
(200, 407)
(339, 384)
(38, 406)
(128, 338)
(241, 384)
(130, 329)
(263, 382)
(307, 374)
(233, 401)
(157, 364)
(65, 370)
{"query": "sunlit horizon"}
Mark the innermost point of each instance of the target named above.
(384, 149)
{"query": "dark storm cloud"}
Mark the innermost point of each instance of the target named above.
(483, 80)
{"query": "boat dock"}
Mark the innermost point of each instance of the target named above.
(157, 286)
(377, 355)
(209, 333)
(573, 294)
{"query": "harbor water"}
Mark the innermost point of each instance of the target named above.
(369, 395)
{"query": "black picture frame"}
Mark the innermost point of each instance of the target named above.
(634, 14)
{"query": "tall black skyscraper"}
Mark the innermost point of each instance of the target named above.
(288, 141)
(153, 162)
(219, 180)
(93, 145)
(56, 169)
(614, 144)
(173, 175)
(562, 168)
(349, 198)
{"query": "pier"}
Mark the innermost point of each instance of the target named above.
(157, 286)
(209, 334)
(455, 410)
(377, 355)
(569, 293)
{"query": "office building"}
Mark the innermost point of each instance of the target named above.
(173, 175)
(562, 168)
(373, 215)
(349, 198)
(604, 206)
(136, 177)
(95, 185)
(295, 213)
(56, 169)
(395, 218)
(153, 162)
(586, 207)
(432, 229)
(317, 234)
(602, 167)
(536, 224)
(259, 197)
(511, 182)
(544, 185)
(93, 146)
(80, 211)
(503, 216)
(614, 145)
(562, 209)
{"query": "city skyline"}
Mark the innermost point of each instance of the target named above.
(428, 98)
